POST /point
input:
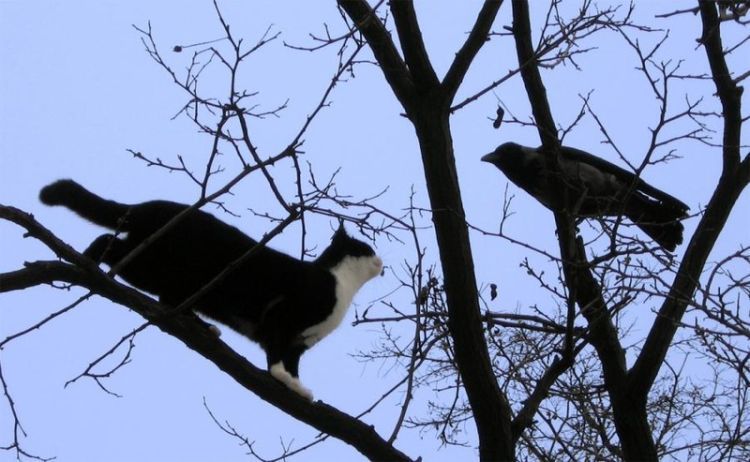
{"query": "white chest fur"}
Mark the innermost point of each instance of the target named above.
(350, 274)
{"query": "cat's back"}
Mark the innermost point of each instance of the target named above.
(200, 242)
(197, 246)
(195, 226)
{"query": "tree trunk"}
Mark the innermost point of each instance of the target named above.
(633, 429)
(491, 411)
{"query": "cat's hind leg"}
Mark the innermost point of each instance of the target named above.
(106, 248)
(174, 303)
(214, 329)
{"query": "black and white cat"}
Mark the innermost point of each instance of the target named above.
(285, 304)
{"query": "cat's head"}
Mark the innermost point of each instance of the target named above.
(360, 257)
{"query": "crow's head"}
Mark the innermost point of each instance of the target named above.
(509, 157)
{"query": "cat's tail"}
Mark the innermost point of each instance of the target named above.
(88, 205)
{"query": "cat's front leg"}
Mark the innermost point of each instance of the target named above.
(279, 372)
(283, 364)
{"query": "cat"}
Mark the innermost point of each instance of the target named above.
(284, 304)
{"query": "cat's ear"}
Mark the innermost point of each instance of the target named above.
(341, 231)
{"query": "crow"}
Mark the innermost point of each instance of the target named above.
(595, 187)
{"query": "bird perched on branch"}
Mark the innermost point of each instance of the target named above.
(596, 188)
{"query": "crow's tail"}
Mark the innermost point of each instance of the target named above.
(70, 194)
(660, 220)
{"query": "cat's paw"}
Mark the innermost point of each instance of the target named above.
(282, 375)
(279, 373)
(214, 330)
(300, 389)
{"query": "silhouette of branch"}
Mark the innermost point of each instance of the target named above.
(630, 417)
(412, 45)
(367, 22)
(428, 109)
(8, 281)
(18, 431)
(287, 451)
(97, 377)
(733, 181)
(474, 42)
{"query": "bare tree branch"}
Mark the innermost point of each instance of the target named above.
(732, 182)
(429, 110)
(477, 37)
(394, 68)
(412, 45)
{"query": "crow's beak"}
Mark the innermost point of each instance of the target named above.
(491, 157)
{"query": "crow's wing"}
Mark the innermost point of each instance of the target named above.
(624, 175)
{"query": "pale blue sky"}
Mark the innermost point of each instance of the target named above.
(77, 90)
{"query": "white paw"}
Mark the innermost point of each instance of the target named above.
(282, 375)
(214, 330)
(300, 389)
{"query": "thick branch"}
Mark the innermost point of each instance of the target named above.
(386, 54)
(726, 88)
(187, 328)
(532, 79)
(412, 45)
(733, 180)
(630, 416)
(525, 416)
(38, 273)
(580, 281)
(430, 116)
(477, 38)
(489, 405)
